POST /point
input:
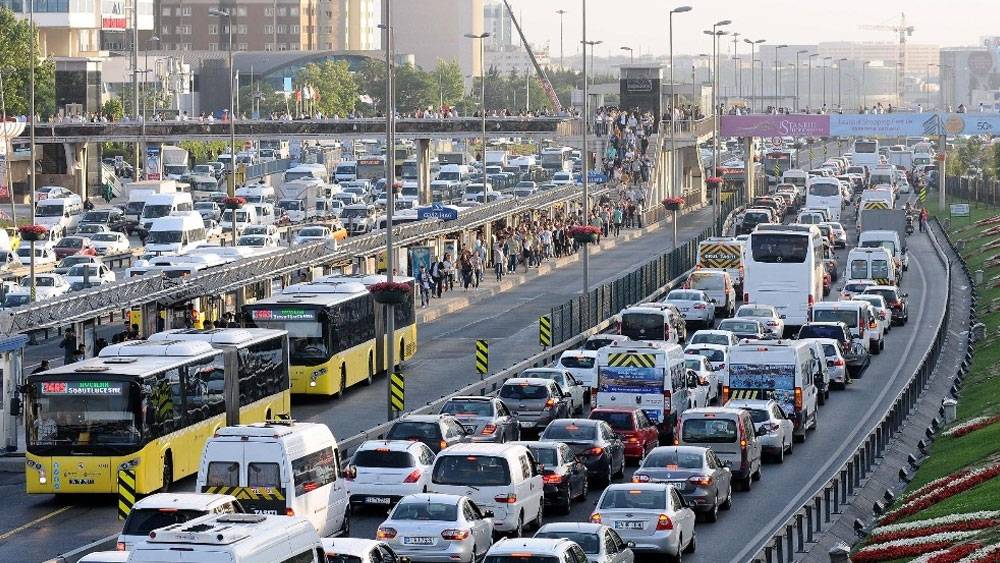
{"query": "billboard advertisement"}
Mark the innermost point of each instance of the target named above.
(153, 168)
(113, 15)
(775, 125)
(884, 125)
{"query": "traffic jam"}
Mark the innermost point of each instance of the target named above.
(625, 447)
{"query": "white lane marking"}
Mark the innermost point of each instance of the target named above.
(36, 521)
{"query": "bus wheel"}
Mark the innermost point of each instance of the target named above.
(168, 473)
(371, 370)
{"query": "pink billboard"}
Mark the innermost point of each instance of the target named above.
(775, 125)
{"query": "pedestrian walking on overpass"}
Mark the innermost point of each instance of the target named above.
(617, 218)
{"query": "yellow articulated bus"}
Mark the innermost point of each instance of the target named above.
(149, 406)
(332, 326)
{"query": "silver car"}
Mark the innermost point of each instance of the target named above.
(705, 482)
(694, 304)
(486, 419)
(438, 528)
(535, 401)
(774, 429)
(566, 382)
(600, 543)
(836, 365)
(652, 516)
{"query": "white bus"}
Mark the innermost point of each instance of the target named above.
(783, 267)
(825, 193)
(865, 153)
(557, 159)
(796, 177)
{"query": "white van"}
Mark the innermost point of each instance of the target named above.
(257, 193)
(265, 213)
(245, 216)
(279, 468)
(782, 371)
(502, 478)
(233, 538)
(872, 263)
(648, 375)
(162, 205)
(877, 198)
(888, 240)
(59, 215)
(346, 171)
(317, 172)
(730, 433)
(859, 318)
(164, 509)
(178, 233)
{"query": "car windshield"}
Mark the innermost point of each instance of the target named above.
(475, 470)
(40, 281)
(888, 294)
(855, 287)
(524, 391)
(673, 458)
(824, 190)
(692, 363)
(570, 432)
(596, 343)
(642, 326)
(439, 511)
(617, 420)
(756, 217)
(468, 407)
(384, 457)
(758, 415)
(708, 281)
(636, 499)
(80, 271)
(847, 316)
(589, 542)
(683, 296)
(821, 331)
(711, 354)
(739, 327)
(97, 216)
(543, 455)
(409, 430)
(141, 521)
(105, 237)
(709, 431)
(710, 338)
(49, 210)
(70, 242)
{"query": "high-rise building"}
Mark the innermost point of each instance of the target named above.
(917, 56)
(497, 22)
(73, 29)
(258, 25)
(435, 30)
(971, 76)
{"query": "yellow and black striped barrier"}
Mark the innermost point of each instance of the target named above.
(397, 392)
(545, 330)
(248, 493)
(126, 492)
(632, 360)
(482, 357)
(923, 194)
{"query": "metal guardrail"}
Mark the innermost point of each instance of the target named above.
(790, 538)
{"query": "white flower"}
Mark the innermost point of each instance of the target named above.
(956, 484)
(951, 537)
(925, 558)
(982, 555)
(931, 522)
(966, 424)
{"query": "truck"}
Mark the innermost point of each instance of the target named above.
(883, 220)
(298, 198)
(496, 158)
(138, 193)
(901, 158)
(650, 375)
(175, 162)
(459, 158)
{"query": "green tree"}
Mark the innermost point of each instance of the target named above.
(113, 108)
(15, 63)
(415, 89)
(447, 79)
(338, 88)
(206, 151)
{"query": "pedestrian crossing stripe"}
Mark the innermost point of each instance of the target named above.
(545, 330)
(397, 392)
(482, 357)
(750, 394)
(126, 492)
(632, 360)
(248, 493)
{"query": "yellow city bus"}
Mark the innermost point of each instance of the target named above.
(149, 406)
(332, 326)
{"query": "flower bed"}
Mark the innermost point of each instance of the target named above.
(673, 203)
(234, 202)
(389, 292)
(923, 490)
(943, 520)
(585, 233)
(971, 426)
(714, 182)
(951, 555)
(951, 487)
(879, 536)
(990, 553)
(909, 547)
(33, 232)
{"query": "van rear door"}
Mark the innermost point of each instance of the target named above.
(264, 479)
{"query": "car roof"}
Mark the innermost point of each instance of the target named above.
(478, 449)
(392, 445)
(527, 381)
(531, 545)
(421, 418)
(348, 546)
(694, 449)
(183, 501)
(711, 410)
(433, 497)
(588, 527)
(749, 403)
(578, 353)
(576, 421)
(615, 409)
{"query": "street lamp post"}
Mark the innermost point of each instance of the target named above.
(482, 95)
(673, 99)
(631, 57)
(797, 97)
(864, 85)
(840, 81)
(390, 195)
(777, 77)
(809, 98)
(231, 185)
(736, 76)
(31, 165)
(561, 14)
(585, 210)
(715, 33)
(826, 65)
(753, 45)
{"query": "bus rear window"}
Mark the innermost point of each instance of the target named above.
(779, 248)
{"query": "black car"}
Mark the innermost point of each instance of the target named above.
(564, 475)
(895, 300)
(111, 217)
(437, 431)
(600, 449)
(752, 218)
(855, 354)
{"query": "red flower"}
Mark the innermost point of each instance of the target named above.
(956, 553)
(389, 287)
(714, 181)
(898, 552)
(941, 494)
(674, 201)
(33, 229)
(963, 430)
(234, 201)
(582, 230)
(919, 532)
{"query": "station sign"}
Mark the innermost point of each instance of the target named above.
(437, 211)
(282, 314)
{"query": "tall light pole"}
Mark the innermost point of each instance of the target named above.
(826, 65)
(809, 98)
(390, 194)
(753, 46)
(673, 99)
(736, 72)
(561, 14)
(797, 97)
(777, 77)
(631, 57)
(592, 45)
(231, 184)
(481, 37)
(32, 164)
(840, 82)
(715, 33)
(864, 85)
(7, 175)
(585, 213)
(135, 83)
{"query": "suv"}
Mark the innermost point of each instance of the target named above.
(111, 217)
(438, 431)
(855, 354)
(518, 550)
(753, 217)
(894, 299)
(535, 401)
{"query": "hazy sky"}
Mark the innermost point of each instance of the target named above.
(642, 24)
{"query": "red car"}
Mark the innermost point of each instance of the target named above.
(639, 434)
(72, 246)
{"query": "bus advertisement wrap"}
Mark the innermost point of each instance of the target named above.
(771, 381)
(644, 384)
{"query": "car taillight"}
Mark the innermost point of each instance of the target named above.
(552, 479)
(839, 362)
(798, 398)
(632, 440)
(640, 478)
(454, 534)
(509, 498)
(594, 451)
(550, 403)
(772, 323)
(664, 523)
(897, 305)
(489, 429)
(595, 518)
(746, 297)
(701, 481)
(384, 533)
(413, 477)
(725, 394)
(873, 324)
(289, 511)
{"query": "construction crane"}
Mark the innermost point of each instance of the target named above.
(904, 31)
(550, 92)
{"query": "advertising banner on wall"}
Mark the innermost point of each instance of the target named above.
(153, 167)
(861, 125)
(113, 15)
(775, 125)
(884, 125)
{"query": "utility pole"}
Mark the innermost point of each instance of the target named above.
(561, 14)
(390, 196)
(32, 164)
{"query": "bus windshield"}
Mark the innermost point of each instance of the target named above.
(779, 248)
(82, 413)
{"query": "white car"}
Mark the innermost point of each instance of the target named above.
(652, 516)
(718, 356)
(720, 337)
(600, 543)
(47, 285)
(257, 241)
(110, 243)
(68, 262)
(836, 365)
(84, 276)
(43, 254)
(702, 367)
(562, 178)
(314, 233)
(438, 527)
(774, 429)
(356, 550)
(768, 316)
(582, 364)
(694, 304)
(384, 471)
(577, 392)
(855, 287)
(164, 509)
(91, 229)
(883, 315)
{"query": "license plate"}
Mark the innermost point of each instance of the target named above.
(378, 500)
(630, 525)
(418, 540)
(527, 424)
